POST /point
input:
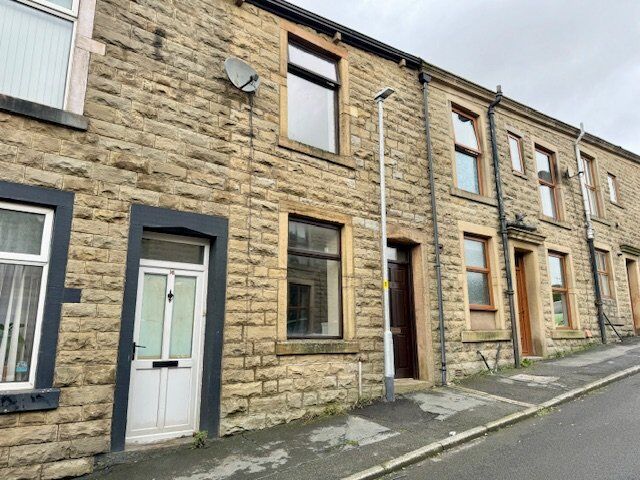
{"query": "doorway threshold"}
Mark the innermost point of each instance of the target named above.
(410, 385)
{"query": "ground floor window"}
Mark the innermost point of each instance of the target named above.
(478, 271)
(559, 290)
(314, 308)
(25, 237)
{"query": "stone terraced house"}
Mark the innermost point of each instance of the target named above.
(178, 255)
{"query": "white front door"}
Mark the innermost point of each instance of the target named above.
(166, 362)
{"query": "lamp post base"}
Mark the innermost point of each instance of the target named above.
(389, 389)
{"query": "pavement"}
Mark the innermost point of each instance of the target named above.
(593, 437)
(373, 441)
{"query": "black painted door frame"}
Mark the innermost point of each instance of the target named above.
(145, 218)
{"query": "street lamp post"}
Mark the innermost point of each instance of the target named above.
(389, 370)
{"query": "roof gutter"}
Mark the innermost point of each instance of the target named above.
(348, 36)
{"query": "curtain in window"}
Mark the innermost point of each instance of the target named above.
(35, 47)
(19, 294)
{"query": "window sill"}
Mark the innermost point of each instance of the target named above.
(616, 204)
(479, 336)
(557, 223)
(602, 221)
(315, 347)
(520, 174)
(29, 400)
(474, 197)
(43, 112)
(567, 334)
(316, 152)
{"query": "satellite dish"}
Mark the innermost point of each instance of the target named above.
(242, 75)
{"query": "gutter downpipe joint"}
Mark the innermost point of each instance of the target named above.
(590, 236)
(424, 79)
(389, 369)
(503, 227)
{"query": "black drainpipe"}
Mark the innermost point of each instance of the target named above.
(424, 80)
(503, 227)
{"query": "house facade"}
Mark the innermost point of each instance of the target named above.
(179, 255)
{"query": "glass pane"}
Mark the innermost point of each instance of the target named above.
(319, 280)
(613, 192)
(396, 254)
(182, 318)
(560, 311)
(21, 232)
(474, 253)
(601, 261)
(478, 285)
(19, 298)
(604, 285)
(34, 53)
(516, 154)
(311, 113)
(464, 131)
(593, 202)
(153, 249)
(556, 272)
(315, 238)
(548, 201)
(154, 294)
(68, 4)
(313, 62)
(588, 165)
(543, 163)
(467, 172)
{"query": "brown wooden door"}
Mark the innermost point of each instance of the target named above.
(523, 306)
(402, 326)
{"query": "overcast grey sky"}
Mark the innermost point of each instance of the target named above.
(576, 60)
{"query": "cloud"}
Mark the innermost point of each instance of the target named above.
(576, 60)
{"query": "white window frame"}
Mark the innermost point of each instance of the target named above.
(40, 260)
(82, 15)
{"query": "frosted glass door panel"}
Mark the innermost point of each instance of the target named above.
(184, 303)
(34, 53)
(154, 296)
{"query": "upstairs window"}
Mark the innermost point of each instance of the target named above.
(547, 180)
(559, 290)
(478, 271)
(515, 151)
(25, 237)
(467, 152)
(614, 193)
(590, 180)
(36, 46)
(314, 307)
(313, 85)
(604, 273)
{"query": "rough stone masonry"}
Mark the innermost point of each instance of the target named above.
(167, 129)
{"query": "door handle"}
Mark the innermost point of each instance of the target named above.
(135, 346)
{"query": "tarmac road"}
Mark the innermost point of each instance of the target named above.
(594, 437)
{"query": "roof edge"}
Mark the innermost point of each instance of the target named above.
(299, 15)
(349, 36)
(485, 94)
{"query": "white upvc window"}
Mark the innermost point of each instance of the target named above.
(25, 243)
(44, 51)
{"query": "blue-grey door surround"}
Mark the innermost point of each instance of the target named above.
(145, 218)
